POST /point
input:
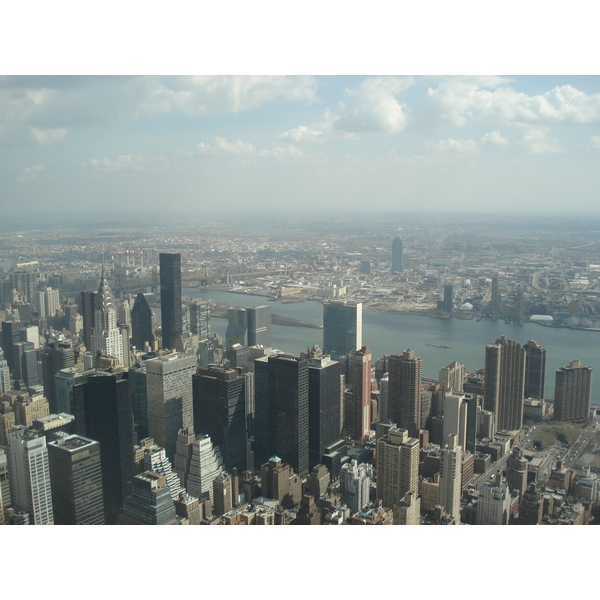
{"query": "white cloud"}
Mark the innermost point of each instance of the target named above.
(128, 162)
(456, 146)
(595, 141)
(29, 173)
(494, 138)
(459, 100)
(46, 137)
(372, 107)
(537, 141)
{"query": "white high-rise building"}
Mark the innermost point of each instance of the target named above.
(493, 506)
(355, 484)
(155, 459)
(29, 472)
(455, 417)
(206, 464)
(106, 336)
(169, 397)
(5, 384)
(450, 477)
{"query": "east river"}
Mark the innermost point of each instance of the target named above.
(388, 333)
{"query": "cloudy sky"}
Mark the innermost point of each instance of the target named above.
(484, 144)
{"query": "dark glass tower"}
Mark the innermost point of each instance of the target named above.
(342, 327)
(259, 326)
(109, 420)
(219, 397)
(170, 299)
(87, 305)
(288, 408)
(76, 480)
(55, 356)
(404, 391)
(324, 398)
(149, 503)
(535, 370)
(141, 322)
(397, 255)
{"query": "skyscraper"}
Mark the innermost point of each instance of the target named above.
(450, 477)
(109, 420)
(55, 357)
(29, 474)
(87, 306)
(76, 480)
(535, 370)
(493, 506)
(355, 485)
(221, 411)
(404, 391)
(170, 299)
(206, 464)
(200, 319)
(324, 406)
(397, 466)
(259, 326)
(572, 393)
(504, 384)
(5, 384)
(360, 366)
(448, 303)
(141, 323)
(516, 471)
(169, 398)
(149, 502)
(106, 335)
(342, 327)
(397, 255)
(288, 408)
(237, 327)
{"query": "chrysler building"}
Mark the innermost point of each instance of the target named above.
(106, 335)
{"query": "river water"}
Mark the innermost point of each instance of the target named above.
(386, 333)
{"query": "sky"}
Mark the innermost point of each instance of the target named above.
(197, 144)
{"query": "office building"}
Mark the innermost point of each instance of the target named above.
(455, 417)
(139, 399)
(342, 327)
(408, 510)
(404, 391)
(109, 420)
(259, 326)
(155, 460)
(29, 474)
(70, 398)
(170, 299)
(169, 398)
(452, 377)
(221, 410)
(493, 506)
(397, 255)
(11, 335)
(504, 385)
(55, 357)
(288, 410)
(106, 335)
(516, 471)
(450, 477)
(355, 484)
(222, 494)
(324, 406)
(5, 501)
(494, 305)
(359, 365)
(535, 370)
(200, 319)
(87, 307)
(397, 466)
(261, 428)
(5, 385)
(275, 481)
(29, 408)
(237, 327)
(76, 481)
(149, 502)
(572, 393)
(206, 464)
(183, 454)
(142, 329)
(448, 302)
(531, 506)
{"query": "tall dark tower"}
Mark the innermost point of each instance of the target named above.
(504, 385)
(141, 323)
(259, 326)
(76, 480)
(109, 419)
(288, 407)
(55, 356)
(324, 399)
(535, 370)
(170, 299)
(404, 391)
(342, 327)
(87, 307)
(397, 255)
(220, 411)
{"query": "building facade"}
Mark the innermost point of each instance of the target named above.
(342, 327)
(170, 299)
